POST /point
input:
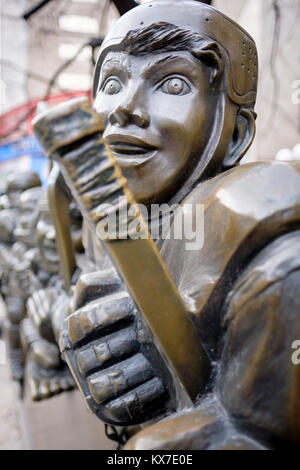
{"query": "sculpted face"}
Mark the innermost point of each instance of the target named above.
(157, 110)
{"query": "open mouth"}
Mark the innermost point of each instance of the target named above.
(131, 152)
(24, 236)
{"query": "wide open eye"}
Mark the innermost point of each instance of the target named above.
(175, 86)
(111, 86)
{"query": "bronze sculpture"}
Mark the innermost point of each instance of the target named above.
(175, 86)
(18, 220)
(47, 374)
(31, 266)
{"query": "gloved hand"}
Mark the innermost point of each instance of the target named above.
(109, 353)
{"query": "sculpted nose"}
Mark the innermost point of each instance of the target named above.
(130, 110)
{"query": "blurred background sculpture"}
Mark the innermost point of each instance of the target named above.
(31, 285)
(191, 340)
(47, 374)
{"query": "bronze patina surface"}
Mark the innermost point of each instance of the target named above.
(175, 88)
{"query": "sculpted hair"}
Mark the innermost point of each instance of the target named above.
(164, 37)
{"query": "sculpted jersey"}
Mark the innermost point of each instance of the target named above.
(242, 290)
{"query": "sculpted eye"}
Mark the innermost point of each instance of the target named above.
(175, 86)
(111, 86)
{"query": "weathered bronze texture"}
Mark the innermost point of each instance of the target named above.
(175, 87)
(204, 427)
(46, 308)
